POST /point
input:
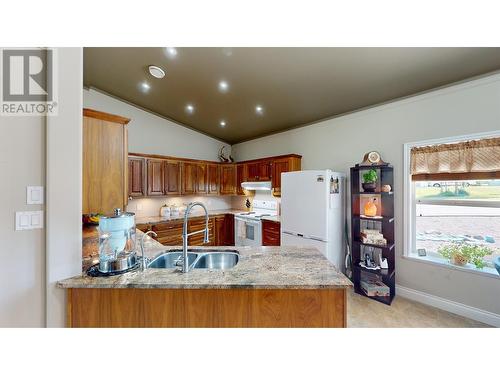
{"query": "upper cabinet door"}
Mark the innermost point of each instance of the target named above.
(253, 171)
(172, 177)
(213, 172)
(228, 179)
(105, 162)
(202, 178)
(279, 166)
(155, 177)
(265, 171)
(136, 177)
(189, 181)
(241, 176)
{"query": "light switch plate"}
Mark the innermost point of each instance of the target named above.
(34, 195)
(26, 220)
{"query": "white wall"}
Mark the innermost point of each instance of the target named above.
(64, 184)
(22, 276)
(151, 134)
(339, 143)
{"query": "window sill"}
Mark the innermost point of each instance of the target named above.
(486, 271)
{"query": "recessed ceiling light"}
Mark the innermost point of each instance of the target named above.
(259, 109)
(156, 71)
(145, 87)
(171, 52)
(223, 86)
(190, 109)
(222, 123)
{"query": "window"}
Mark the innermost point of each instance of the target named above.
(452, 203)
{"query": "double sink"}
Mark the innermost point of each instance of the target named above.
(219, 260)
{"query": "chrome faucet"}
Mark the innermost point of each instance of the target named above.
(142, 247)
(185, 234)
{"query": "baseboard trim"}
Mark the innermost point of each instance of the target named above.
(450, 306)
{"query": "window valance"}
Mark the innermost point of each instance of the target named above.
(471, 160)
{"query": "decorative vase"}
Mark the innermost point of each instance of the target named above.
(371, 208)
(369, 187)
(458, 260)
(496, 262)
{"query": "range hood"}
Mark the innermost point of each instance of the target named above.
(260, 185)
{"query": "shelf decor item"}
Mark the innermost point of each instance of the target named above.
(370, 181)
(372, 231)
(372, 158)
(370, 208)
(386, 188)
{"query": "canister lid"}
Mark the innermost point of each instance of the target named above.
(118, 213)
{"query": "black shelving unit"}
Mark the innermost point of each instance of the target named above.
(384, 222)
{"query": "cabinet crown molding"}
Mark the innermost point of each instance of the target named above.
(87, 112)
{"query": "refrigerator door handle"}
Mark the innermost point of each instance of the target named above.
(317, 238)
(294, 234)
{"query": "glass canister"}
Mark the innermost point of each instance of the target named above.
(116, 240)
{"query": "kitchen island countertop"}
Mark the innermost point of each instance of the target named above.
(269, 267)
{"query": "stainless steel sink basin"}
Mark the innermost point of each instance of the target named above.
(217, 260)
(168, 260)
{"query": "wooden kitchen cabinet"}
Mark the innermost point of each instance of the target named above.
(264, 171)
(213, 171)
(165, 176)
(229, 230)
(201, 178)
(189, 180)
(199, 224)
(271, 233)
(169, 234)
(172, 177)
(228, 179)
(252, 172)
(279, 166)
(155, 177)
(224, 230)
(259, 171)
(241, 176)
(105, 162)
(136, 177)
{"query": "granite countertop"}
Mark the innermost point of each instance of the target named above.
(272, 218)
(270, 267)
(196, 213)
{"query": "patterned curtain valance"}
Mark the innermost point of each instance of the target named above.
(471, 160)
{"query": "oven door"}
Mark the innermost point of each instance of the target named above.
(247, 232)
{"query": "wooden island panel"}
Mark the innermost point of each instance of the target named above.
(207, 308)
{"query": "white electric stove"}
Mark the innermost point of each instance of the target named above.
(248, 225)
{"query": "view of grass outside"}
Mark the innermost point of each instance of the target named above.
(440, 223)
(483, 190)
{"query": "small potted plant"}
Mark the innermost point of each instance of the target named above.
(462, 253)
(370, 181)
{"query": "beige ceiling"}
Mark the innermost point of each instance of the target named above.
(295, 86)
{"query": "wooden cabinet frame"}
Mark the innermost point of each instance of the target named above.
(213, 178)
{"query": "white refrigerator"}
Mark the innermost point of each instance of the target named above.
(313, 212)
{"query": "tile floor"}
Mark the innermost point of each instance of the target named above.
(403, 313)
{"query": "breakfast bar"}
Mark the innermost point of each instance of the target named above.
(281, 286)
